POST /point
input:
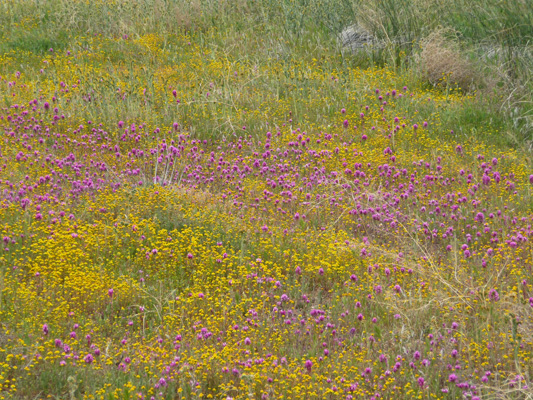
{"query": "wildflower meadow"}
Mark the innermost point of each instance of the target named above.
(215, 200)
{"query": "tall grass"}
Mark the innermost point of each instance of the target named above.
(495, 37)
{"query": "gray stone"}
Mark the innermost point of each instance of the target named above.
(355, 38)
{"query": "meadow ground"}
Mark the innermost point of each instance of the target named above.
(214, 200)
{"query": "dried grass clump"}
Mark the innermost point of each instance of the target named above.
(443, 64)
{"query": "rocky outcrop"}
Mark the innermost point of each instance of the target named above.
(355, 38)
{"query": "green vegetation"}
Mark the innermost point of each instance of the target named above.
(206, 199)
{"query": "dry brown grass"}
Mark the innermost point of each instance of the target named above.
(441, 62)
